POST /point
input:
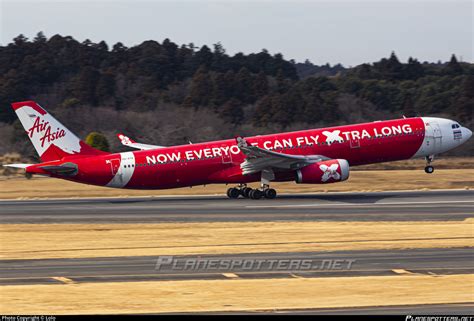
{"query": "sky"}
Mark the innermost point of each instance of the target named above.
(347, 32)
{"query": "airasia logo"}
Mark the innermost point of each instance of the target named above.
(44, 129)
(330, 172)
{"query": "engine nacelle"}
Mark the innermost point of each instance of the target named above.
(329, 171)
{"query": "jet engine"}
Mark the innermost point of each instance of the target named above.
(329, 171)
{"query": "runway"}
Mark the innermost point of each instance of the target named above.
(374, 206)
(453, 205)
(260, 265)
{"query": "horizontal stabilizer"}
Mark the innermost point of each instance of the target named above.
(17, 165)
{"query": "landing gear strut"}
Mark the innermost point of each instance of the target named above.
(255, 194)
(429, 169)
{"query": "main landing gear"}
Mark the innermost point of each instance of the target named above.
(429, 169)
(247, 192)
(255, 194)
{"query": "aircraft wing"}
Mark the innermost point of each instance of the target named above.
(127, 141)
(259, 159)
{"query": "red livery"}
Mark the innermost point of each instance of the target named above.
(315, 156)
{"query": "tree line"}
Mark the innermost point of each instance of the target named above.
(254, 92)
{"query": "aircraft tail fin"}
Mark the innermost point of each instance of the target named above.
(51, 139)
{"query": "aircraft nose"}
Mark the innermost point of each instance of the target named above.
(467, 133)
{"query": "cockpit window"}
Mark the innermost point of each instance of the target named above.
(453, 126)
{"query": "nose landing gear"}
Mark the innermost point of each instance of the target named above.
(429, 169)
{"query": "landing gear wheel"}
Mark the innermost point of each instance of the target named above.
(270, 193)
(246, 192)
(429, 169)
(256, 194)
(233, 192)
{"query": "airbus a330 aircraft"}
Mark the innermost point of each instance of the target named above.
(315, 156)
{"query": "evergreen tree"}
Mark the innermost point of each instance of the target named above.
(244, 86)
(282, 83)
(453, 67)
(413, 70)
(84, 85)
(232, 111)
(20, 40)
(40, 38)
(203, 57)
(119, 47)
(408, 107)
(464, 104)
(200, 93)
(263, 111)
(392, 69)
(260, 85)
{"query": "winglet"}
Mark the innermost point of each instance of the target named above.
(125, 140)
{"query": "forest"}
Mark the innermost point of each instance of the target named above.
(166, 93)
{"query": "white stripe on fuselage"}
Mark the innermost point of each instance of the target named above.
(125, 171)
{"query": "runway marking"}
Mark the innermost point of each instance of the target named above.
(402, 271)
(230, 275)
(296, 276)
(63, 279)
(359, 205)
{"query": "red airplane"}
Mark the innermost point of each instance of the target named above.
(315, 156)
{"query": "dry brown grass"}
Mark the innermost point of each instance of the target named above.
(32, 241)
(417, 164)
(21, 188)
(235, 295)
(10, 158)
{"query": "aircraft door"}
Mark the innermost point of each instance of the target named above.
(433, 137)
(226, 156)
(437, 137)
(114, 165)
(355, 142)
